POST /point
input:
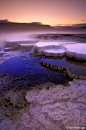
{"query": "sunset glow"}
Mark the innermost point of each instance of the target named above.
(52, 12)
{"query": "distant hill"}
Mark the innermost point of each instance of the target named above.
(84, 27)
(4, 21)
(25, 27)
(71, 28)
(74, 26)
(5, 25)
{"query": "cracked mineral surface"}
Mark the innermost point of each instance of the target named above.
(54, 107)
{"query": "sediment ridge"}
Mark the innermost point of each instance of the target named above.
(63, 68)
(23, 77)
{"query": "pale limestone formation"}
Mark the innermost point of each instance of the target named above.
(73, 50)
(20, 42)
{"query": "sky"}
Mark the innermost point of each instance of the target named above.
(52, 12)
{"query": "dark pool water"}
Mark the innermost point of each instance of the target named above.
(31, 69)
(75, 67)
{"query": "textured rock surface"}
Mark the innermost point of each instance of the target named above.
(60, 106)
(55, 107)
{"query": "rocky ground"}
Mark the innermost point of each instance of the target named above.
(45, 107)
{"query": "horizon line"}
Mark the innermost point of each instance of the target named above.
(40, 23)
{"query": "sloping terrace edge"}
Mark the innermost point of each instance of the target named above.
(63, 68)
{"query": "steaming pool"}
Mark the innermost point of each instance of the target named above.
(18, 63)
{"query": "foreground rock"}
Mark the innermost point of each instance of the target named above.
(55, 107)
(60, 106)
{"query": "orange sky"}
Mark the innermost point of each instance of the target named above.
(51, 12)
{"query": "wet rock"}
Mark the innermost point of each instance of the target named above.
(62, 68)
(47, 65)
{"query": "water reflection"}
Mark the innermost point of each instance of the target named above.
(15, 59)
(75, 67)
